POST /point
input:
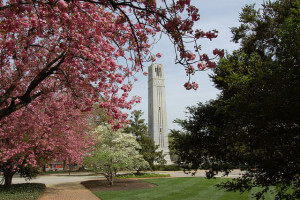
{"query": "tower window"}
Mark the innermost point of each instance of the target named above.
(157, 70)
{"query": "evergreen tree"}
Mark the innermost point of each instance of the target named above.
(138, 128)
(254, 123)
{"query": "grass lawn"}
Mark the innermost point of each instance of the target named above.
(24, 191)
(177, 189)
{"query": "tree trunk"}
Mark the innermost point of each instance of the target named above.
(81, 168)
(110, 178)
(70, 167)
(8, 175)
(111, 182)
(65, 165)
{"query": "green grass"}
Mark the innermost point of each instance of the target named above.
(188, 188)
(142, 175)
(25, 191)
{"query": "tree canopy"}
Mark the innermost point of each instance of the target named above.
(115, 151)
(254, 123)
(44, 133)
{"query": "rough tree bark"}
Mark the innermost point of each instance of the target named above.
(8, 175)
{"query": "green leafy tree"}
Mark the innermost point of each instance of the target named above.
(139, 129)
(201, 142)
(115, 151)
(254, 123)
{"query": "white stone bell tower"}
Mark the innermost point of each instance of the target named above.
(157, 111)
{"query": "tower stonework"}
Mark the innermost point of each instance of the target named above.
(157, 111)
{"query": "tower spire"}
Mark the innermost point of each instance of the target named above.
(157, 111)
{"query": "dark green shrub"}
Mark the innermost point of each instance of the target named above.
(24, 191)
(173, 167)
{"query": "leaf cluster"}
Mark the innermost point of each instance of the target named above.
(114, 151)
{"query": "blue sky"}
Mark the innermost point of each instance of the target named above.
(214, 14)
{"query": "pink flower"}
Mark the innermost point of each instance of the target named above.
(62, 4)
(119, 79)
(219, 52)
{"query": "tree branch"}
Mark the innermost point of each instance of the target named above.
(25, 99)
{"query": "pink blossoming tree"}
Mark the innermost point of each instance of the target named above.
(52, 129)
(73, 46)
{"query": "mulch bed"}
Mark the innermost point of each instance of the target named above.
(119, 184)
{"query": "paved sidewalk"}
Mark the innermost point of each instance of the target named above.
(64, 186)
(54, 179)
(67, 191)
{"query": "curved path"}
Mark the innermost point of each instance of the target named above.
(64, 186)
(67, 191)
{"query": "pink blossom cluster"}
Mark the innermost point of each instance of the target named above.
(183, 2)
(53, 129)
(188, 55)
(201, 34)
(192, 85)
(211, 34)
(219, 52)
(201, 66)
(190, 70)
(158, 55)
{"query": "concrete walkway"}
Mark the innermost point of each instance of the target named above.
(67, 191)
(64, 186)
(59, 178)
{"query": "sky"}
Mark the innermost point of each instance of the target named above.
(214, 14)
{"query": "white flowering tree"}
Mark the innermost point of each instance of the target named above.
(115, 151)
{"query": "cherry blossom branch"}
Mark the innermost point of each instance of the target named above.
(25, 99)
(68, 82)
(13, 106)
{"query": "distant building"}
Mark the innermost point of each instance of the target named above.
(59, 166)
(54, 166)
(157, 111)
